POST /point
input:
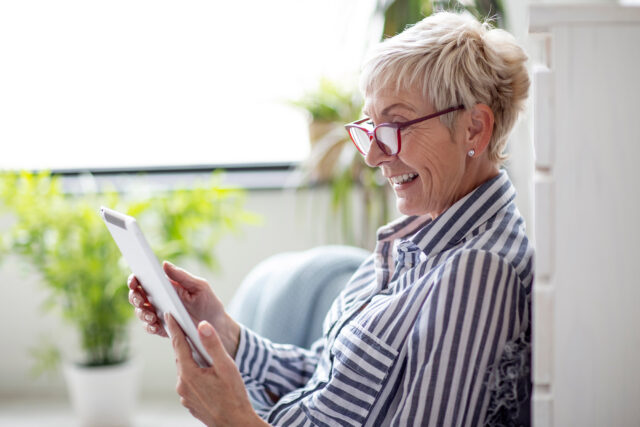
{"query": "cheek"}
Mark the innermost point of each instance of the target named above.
(438, 161)
(430, 154)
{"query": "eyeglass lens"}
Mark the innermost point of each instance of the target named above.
(386, 137)
(389, 137)
(361, 139)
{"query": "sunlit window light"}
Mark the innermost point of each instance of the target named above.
(145, 83)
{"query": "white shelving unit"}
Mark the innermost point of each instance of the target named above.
(586, 362)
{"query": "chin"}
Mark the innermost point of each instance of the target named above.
(409, 209)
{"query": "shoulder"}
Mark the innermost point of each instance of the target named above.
(472, 277)
(474, 266)
(502, 240)
(471, 289)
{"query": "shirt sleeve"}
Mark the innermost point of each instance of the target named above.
(273, 370)
(457, 338)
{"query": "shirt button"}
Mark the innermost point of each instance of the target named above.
(408, 253)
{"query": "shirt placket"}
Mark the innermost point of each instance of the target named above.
(407, 256)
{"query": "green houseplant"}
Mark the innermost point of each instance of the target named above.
(334, 161)
(63, 238)
(398, 14)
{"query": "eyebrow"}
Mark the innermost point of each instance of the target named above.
(390, 107)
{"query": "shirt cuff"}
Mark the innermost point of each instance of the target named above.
(253, 356)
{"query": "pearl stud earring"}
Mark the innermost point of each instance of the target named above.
(471, 153)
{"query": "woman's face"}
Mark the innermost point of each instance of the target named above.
(428, 175)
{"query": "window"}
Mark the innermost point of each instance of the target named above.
(146, 83)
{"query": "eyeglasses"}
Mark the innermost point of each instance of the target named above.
(387, 135)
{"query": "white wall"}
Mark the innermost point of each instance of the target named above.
(585, 316)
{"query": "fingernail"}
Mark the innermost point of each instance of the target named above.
(205, 328)
(148, 317)
(152, 328)
(136, 301)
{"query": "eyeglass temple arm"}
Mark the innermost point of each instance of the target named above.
(430, 116)
(359, 121)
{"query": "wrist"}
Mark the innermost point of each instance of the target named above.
(256, 421)
(231, 336)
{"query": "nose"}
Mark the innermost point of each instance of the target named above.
(376, 155)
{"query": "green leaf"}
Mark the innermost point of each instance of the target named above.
(65, 241)
(46, 358)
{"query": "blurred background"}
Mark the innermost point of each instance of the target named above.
(136, 103)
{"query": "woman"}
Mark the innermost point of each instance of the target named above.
(434, 328)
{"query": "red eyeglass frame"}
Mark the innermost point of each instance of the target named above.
(399, 126)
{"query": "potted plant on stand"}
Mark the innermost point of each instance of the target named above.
(333, 161)
(64, 239)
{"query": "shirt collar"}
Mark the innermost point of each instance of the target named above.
(450, 227)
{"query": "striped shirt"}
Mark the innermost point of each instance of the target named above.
(433, 329)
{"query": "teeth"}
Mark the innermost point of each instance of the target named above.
(400, 179)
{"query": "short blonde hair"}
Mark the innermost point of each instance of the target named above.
(455, 60)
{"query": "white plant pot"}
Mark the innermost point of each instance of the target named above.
(103, 396)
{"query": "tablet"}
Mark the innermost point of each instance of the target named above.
(145, 266)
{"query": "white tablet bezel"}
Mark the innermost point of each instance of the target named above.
(145, 266)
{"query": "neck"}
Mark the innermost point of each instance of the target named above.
(478, 171)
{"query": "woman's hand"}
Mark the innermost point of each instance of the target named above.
(144, 310)
(199, 300)
(215, 395)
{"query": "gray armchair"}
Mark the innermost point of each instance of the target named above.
(286, 297)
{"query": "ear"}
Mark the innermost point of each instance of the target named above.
(479, 128)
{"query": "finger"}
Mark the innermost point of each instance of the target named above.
(183, 278)
(153, 328)
(139, 299)
(137, 291)
(212, 342)
(178, 287)
(160, 331)
(184, 359)
(150, 320)
(134, 285)
(135, 298)
(132, 282)
(146, 315)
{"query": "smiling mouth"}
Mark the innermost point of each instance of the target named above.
(402, 179)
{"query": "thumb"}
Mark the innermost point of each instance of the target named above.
(182, 277)
(211, 341)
